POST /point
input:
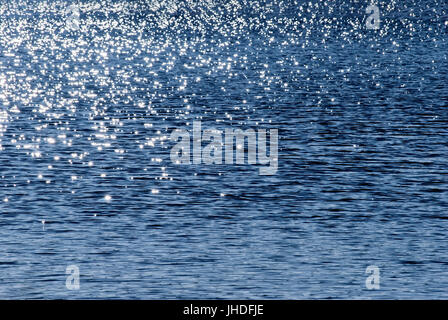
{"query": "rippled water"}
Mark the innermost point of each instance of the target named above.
(85, 121)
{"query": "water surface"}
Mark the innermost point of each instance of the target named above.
(85, 123)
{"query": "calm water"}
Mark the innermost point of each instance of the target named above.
(85, 121)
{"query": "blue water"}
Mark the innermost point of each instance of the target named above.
(85, 121)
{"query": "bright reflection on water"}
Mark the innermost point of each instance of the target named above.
(86, 178)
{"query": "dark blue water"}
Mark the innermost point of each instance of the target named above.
(85, 123)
